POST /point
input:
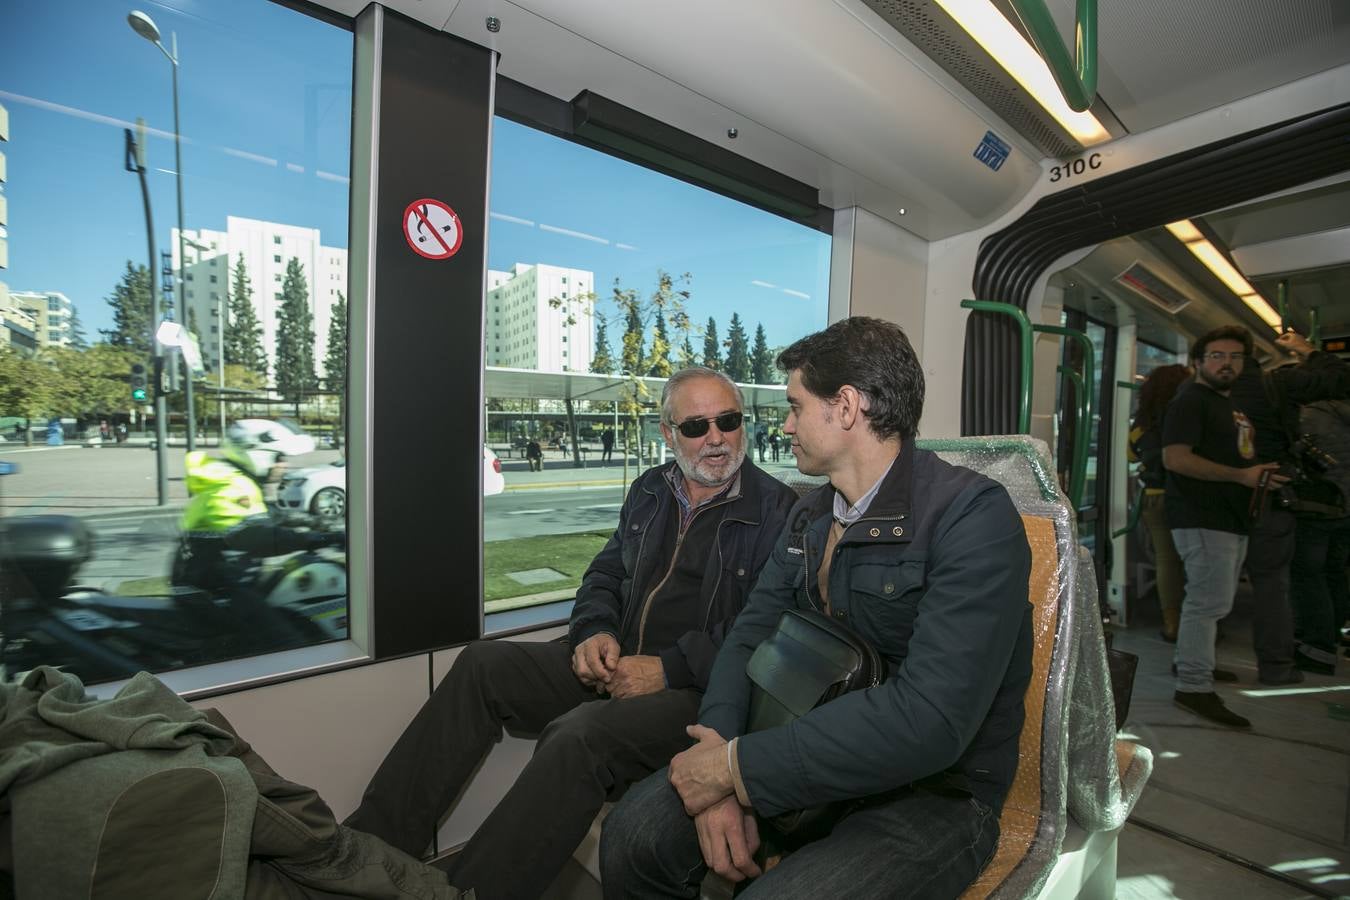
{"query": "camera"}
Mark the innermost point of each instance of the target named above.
(1310, 463)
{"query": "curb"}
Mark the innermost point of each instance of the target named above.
(561, 484)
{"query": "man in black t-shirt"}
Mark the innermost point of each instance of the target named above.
(1209, 450)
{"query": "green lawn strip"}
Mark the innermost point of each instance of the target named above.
(155, 586)
(566, 553)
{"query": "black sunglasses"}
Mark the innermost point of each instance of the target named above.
(697, 428)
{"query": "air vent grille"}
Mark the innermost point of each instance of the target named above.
(932, 31)
(1144, 282)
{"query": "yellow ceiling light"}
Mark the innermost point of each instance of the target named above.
(1186, 232)
(982, 21)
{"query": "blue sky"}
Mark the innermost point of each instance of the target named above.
(265, 105)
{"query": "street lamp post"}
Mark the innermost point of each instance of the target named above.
(146, 28)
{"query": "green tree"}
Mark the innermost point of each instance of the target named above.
(687, 357)
(603, 361)
(633, 339)
(335, 360)
(660, 355)
(26, 387)
(78, 340)
(192, 323)
(90, 382)
(295, 335)
(131, 303)
(761, 359)
(738, 351)
(243, 333)
(712, 348)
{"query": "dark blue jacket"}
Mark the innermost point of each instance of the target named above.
(626, 571)
(935, 576)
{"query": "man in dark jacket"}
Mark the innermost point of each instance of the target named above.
(611, 705)
(1271, 401)
(926, 561)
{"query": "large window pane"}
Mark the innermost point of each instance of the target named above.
(604, 278)
(122, 549)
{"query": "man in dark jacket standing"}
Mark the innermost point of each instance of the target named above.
(611, 705)
(1271, 401)
(929, 563)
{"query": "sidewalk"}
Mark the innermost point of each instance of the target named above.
(561, 473)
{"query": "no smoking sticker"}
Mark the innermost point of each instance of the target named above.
(432, 229)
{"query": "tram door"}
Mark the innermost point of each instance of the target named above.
(1093, 517)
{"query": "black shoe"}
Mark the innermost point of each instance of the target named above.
(1317, 666)
(1217, 674)
(1209, 706)
(1293, 676)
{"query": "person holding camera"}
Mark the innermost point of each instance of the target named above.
(1209, 452)
(1271, 402)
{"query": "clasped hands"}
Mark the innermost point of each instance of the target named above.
(728, 835)
(598, 663)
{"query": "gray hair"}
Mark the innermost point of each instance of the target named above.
(689, 374)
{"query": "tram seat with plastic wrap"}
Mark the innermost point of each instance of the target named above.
(1076, 782)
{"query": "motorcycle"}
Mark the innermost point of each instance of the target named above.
(279, 603)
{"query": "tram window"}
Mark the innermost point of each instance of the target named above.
(263, 124)
(616, 276)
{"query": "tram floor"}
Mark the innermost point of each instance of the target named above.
(1259, 813)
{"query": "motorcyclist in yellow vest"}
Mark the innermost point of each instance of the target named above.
(226, 526)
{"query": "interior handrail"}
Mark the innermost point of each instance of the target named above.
(1132, 517)
(1077, 82)
(1086, 385)
(1024, 326)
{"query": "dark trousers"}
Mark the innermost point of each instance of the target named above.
(590, 750)
(1322, 596)
(907, 843)
(1269, 553)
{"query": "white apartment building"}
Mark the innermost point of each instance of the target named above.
(52, 313)
(525, 331)
(266, 248)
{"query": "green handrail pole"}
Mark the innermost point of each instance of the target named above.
(1128, 385)
(1078, 83)
(1078, 468)
(1024, 326)
(1314, 327)
(1282, 301)
(1080, 448)
(1132, 521)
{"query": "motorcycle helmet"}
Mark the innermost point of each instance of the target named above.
(257, 445)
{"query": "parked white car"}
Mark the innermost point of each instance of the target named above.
(321, 491)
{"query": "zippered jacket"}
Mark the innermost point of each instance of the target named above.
(934, 575)
(623, 575)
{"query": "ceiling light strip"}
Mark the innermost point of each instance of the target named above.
(983, 22)
(1186, 232)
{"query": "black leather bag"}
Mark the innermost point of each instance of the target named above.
(809, 659)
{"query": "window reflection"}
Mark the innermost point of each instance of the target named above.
(606, 277)
(136, 533)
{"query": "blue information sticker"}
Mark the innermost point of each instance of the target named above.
(993, 151)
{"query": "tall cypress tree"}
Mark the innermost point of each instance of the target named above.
(335, 360)
(661, 367)
(712, 348)
(78, 340)
(243, 333)
(295, 335)
(634, 352)
(132, 312)
(761, 360)
(738, 351)
(603, 361)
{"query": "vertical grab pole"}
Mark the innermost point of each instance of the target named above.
(1024, 326)
(1078, 474)
(1081, 440)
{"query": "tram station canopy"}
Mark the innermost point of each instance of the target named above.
(528, 384)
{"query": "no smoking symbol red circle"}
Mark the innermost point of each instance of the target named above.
(432, 229)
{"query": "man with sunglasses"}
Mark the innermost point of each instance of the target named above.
(611, 704)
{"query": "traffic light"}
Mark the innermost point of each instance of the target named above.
(138, 392)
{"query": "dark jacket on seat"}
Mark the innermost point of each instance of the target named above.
(615, 588)
(935, 575)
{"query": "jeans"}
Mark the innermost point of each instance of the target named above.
(907, 843)
(1166, 561)
(1322, 596)
(1269, 554)
(589, 751)
(1212, 560)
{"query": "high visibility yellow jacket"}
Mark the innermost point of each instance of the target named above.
(223, 495)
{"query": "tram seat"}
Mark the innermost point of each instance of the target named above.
(1075, 782)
